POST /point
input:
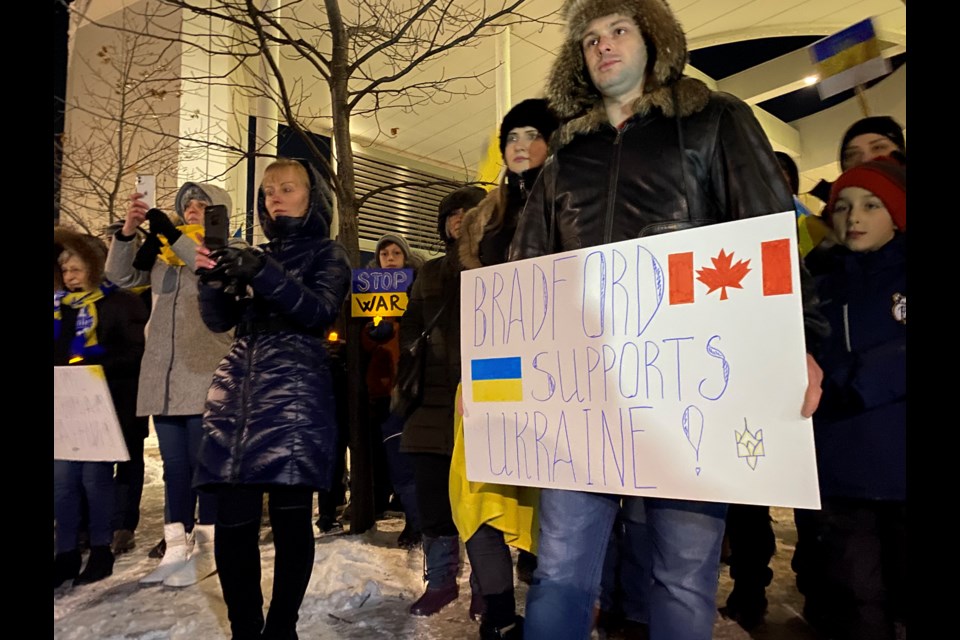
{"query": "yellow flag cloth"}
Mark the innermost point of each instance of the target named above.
(510, 509)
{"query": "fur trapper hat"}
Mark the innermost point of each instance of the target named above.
(569, 88)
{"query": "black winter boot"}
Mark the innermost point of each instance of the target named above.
(66, 566)
(441, 556)
(99, 565)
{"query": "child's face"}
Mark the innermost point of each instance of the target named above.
(861, 220)
(391, 256)
(76, 275)
(286, 193)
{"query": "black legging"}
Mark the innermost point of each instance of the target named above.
(237, 552)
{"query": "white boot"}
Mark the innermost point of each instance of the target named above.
(201, 563)
(178, 550)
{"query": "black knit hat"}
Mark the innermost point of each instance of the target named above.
(529, 113)
(464, 198)
(881, 125)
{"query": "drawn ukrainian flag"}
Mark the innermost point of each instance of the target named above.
(496, 379)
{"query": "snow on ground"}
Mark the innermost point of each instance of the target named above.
(362, 587)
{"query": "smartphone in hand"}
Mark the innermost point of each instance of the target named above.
(215, 226)
(147, 185)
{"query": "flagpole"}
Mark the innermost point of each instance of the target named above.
(862, 98)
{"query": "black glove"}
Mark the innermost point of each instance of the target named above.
(237, 264)
(147, 254)
(382, 332)
(160, 223)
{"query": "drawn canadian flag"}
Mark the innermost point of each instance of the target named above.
(726, 272)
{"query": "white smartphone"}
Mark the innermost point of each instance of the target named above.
(147, 185)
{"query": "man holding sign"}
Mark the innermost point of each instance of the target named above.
(645, 150)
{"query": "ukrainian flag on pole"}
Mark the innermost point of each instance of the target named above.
(492, 163)
(848, 58)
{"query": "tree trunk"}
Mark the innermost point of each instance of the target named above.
(362, 516)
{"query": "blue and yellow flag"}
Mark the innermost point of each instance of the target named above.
(848, 58)
(496, 379)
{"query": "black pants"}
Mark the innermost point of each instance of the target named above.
(382, 486)
(490, 560)
(128, 484)
(858, 566)
(237, 553)
(431, 471)
(752, 545)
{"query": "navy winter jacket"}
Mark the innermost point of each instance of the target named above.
(861, 423)
(270, 415)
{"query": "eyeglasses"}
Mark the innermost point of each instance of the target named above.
(526, 136)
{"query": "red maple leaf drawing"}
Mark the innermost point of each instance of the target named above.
(724, 274)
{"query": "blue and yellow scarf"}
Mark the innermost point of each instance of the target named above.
(84, 343)
(192, 231)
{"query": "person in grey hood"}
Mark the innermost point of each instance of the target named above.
(643, 150)
(179, 359)
(270, 421)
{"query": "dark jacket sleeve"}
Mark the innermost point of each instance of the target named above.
(120, 333)
(315, 300)
(745, 175)
(531, 238)
(221, 311)
(413, 323)
(748, 181)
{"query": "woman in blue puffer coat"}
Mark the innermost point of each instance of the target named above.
(270, 422)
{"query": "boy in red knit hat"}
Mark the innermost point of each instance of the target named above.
(860, 426)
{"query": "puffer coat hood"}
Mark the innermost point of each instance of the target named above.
(319, 211)
(572, 94)
(209, 192)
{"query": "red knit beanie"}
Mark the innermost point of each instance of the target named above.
(883, 177)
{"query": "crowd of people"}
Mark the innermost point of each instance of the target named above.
(226, 349)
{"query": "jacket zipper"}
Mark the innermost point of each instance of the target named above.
(245, 399)
(612, 187)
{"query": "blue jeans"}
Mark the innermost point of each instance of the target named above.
(684, 556)
(626, 579)
(71, 480)
(179, 438)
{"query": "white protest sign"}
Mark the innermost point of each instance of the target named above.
(670, 366)
(85, 425)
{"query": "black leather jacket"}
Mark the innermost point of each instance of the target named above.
(607, 184)
(611, 184)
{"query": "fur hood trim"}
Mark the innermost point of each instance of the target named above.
(692, 96)
(471, 229)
